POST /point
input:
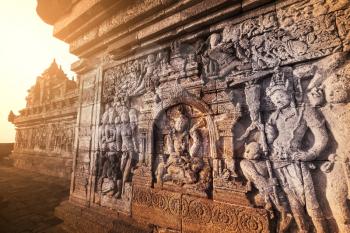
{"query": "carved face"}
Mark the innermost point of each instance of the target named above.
(181, 123)
(336, 92)
(117, 120)
(280, 98)
(252, 151)
(214, 40)
(151, 58)
(316, 97)
(125, 117)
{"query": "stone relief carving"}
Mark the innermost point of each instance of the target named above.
(118, 148)
(281, 167)
(288, 117)
(329, 93)
(56, 137)
(181, 149)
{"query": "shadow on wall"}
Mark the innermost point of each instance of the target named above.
(5, 149)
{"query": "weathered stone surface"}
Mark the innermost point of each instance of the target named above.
(195, 118)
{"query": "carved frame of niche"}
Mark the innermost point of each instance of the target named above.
(180, 97)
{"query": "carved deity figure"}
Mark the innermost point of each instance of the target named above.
(285, 130)
(129, 143)
(184, 163)
(117, 146)
(222, 57)
(146, 79)
(255, 170)
(332, 95)
(107, 154)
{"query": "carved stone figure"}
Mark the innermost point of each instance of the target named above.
(285, 130)
(255, 169)
(224, 56)
(129, 144)
(332, 95)
(182, 163)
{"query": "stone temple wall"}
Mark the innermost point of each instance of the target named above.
(45, 128)
(208, 116)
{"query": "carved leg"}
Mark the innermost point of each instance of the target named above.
(119, 189)
(298, 213)
(160, 173)
(285, 218)
(124, 160)
(346, 168)
(336, 193)
(127, 171)
(312, 205)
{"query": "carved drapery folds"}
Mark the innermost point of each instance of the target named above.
(237, 116)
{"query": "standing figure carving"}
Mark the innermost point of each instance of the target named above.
(285, 130)
(118, 144)
(256, 171)
(332, 96)
(129, 143)
(256, 166)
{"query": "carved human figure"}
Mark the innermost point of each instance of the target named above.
(285, 130)
(255, 170)
(101, 148)
(118, 154)
(222, 55)
(164, 65)
(147, 72)
(128, 145)
(184, 162)
(105, 147)
(333, 97)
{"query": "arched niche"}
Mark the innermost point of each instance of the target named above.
(183, 141)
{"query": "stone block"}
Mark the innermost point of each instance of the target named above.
(159, 207)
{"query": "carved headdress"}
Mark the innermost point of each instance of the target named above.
(278, 82)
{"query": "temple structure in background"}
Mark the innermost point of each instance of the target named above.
(45, 128)
(196, 115)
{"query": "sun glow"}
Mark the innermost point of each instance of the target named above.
(27, 48)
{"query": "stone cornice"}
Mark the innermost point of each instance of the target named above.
(93, 26)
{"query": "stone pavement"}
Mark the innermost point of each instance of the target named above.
(28, 199)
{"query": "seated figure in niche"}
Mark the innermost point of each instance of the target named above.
(184, 163)
(255, 170)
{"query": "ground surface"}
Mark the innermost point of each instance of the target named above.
(28, 199)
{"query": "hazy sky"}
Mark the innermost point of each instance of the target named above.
(27, 48)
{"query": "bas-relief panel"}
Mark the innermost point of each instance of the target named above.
(277, 144)
(82, 168)
(57, 137)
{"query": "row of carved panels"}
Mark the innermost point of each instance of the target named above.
(190, 214)
(247, 47)
(284, 10)
(57, 137)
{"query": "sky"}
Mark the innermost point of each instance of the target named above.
(27, 48)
